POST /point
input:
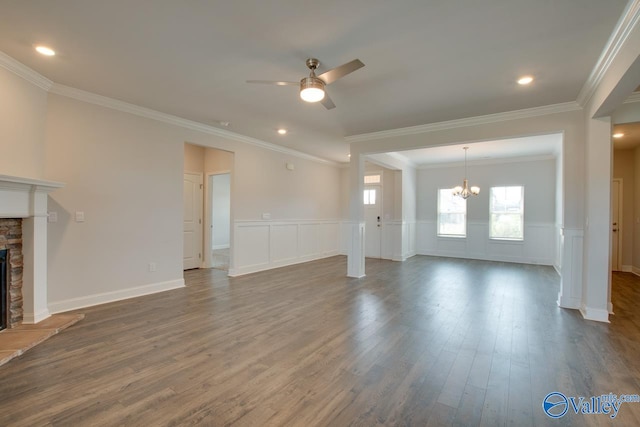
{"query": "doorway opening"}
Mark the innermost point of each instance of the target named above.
(220, 222)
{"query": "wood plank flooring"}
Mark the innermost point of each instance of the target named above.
(428, 342)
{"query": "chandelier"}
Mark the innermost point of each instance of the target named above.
(465, 191)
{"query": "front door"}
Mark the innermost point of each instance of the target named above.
(373, 220)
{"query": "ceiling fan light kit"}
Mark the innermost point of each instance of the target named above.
(312, 87)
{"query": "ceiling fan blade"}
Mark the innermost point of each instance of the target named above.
(272, 82)
(327, 102)
(335, 73)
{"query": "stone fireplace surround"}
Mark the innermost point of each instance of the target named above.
(26, 198)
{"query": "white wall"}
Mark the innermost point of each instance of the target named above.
(125, 173)
(23, 109)
(538, 179)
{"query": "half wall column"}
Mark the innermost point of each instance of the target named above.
(356, 225)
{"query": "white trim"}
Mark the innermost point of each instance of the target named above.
(627, 22)
(635, 270)
(634, 97)
(220, 247)
(470, 121)
(148, 113)
(21, 70)
(106, 297)
(626, 269)
(32, 319)
(595, 314)
(520, 159)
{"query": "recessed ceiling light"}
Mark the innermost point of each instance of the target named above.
(44, 50)
(525, 80)
(618, 135)
(282, 131)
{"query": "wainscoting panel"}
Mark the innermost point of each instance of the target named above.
(284, 242)
(262, 245)
(538, 246)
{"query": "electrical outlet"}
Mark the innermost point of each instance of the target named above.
(152, 266)
(79, 216)
(52, 216)
(266, 216)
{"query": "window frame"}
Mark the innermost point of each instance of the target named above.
(520, 213)
(439, 213)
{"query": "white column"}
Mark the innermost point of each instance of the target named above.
(597, 241)
(356, 229)
(34, 278)
(570, 295)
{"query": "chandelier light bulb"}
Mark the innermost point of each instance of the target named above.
(464, 191)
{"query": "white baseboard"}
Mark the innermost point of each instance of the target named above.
(235, 272)
(215, 247)
(97, 299)
(485, 257)
(31, 318)
(568, 302)
(635, 270)
(596, 314)
(627, 268)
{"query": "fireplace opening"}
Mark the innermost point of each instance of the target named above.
(4, 292)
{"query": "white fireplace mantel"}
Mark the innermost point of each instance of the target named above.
(27, 198)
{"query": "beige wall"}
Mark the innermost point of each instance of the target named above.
(125, 173)
(194, 158)
(623, 168)
(23, 109)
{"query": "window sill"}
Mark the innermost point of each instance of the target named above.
(450, 236)
(507, 241)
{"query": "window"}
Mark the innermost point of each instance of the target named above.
(506, 209)
(452, 214)
(370, 196)
(373, 179)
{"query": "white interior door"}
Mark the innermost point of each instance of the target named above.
(373, 220)
(192, 236)
(615, 225)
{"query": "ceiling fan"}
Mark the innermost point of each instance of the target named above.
(312, 87)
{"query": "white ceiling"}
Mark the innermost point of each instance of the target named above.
(426, 61)
(486, 151)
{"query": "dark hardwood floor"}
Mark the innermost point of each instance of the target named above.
(431, 341)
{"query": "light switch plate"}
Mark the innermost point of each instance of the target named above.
(266, 216)
(52, 216)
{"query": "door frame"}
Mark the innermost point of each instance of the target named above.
(208, 236)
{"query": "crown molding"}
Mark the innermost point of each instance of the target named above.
(627, 22)
(25, 72)
(634, 97)
(148, 113)
(470, 121)
(484, 162)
